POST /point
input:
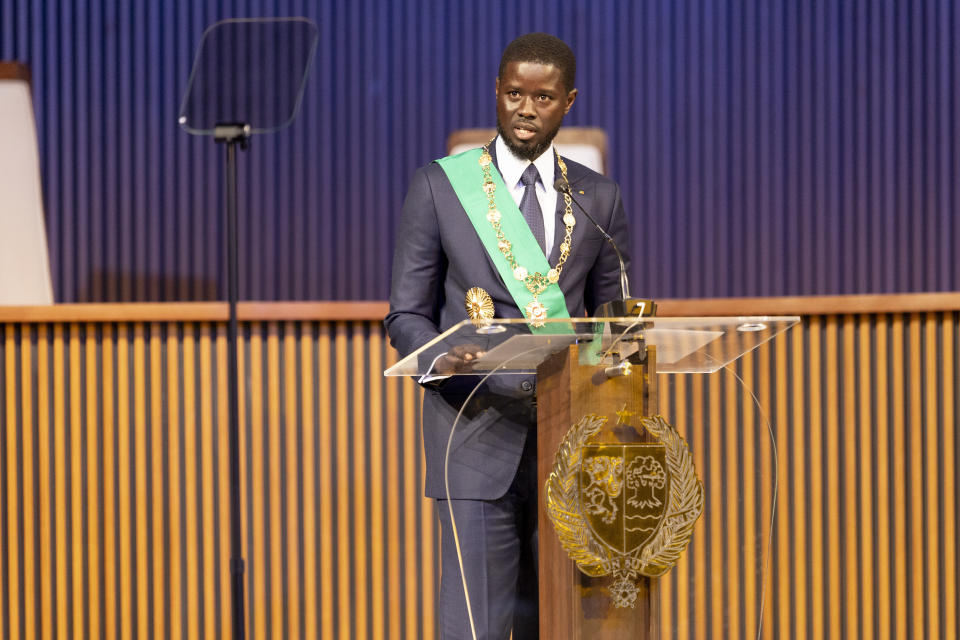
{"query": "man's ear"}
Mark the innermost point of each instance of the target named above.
(496, 87)
(570, 98)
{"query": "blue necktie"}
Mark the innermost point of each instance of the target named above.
(530, 206)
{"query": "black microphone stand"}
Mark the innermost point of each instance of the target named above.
(625, 306)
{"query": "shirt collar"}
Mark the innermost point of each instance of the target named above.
(511, 167)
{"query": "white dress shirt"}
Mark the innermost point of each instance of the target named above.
(511, 168)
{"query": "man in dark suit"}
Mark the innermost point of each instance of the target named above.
(448, 243)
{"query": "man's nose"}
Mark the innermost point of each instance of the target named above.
(526, 107)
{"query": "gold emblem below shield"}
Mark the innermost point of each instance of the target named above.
(624, 509)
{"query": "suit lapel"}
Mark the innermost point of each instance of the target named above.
(583, 225)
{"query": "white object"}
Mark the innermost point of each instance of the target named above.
(24, 262)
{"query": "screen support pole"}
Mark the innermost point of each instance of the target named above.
(232, 135)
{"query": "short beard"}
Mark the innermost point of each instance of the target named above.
(531, 152)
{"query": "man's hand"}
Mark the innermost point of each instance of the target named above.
(458, 359)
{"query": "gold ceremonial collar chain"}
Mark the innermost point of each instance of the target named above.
(536, 282)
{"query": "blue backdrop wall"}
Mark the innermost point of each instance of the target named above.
(764, 147)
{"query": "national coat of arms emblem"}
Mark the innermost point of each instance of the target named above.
(624, 509)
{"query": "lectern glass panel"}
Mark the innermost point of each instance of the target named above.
(684, 345)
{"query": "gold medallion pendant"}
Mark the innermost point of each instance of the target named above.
(536, 313)
(624, 509)
(479, 306)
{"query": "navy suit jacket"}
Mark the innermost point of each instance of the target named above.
(438, 257)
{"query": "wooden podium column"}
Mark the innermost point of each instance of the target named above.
(573, 605)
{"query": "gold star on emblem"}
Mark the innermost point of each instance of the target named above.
(623, 414)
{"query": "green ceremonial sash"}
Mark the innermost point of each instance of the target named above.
(464, 172)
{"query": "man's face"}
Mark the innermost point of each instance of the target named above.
(531, 103)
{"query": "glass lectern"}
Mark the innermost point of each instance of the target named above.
(619, 496)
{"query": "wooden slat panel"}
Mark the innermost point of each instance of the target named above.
(191, 587)
(210, 543)
(124, 519)
(847, 481)
(866, 447)
(360, 397)
(115, 470)
(140, 471)
(867, 503)
(819, 599)
(915, 542)
(159, 513)
(700, 558)
(11, 565)
(31, 511)
(94, 480)
(833, 515)
(344, 491)
(797, 449)
(884, 569)
(60, 476)
(393, 423)
(111, 545)
(378, 488)
(257, 484)
(293, 470)
(950, 540)
(325, 487)
(900, 577)
(274, 476)
(174, 544)
(47, 563)
(752, 439)
(768, 462)
(308, 346)
(74, 478)
(783, 556)
(220, 425)
(930, 457)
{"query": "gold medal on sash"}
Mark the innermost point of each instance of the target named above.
(536, 313)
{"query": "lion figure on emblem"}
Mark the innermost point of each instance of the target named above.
(606, 481)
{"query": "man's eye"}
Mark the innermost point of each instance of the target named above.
(513, 93)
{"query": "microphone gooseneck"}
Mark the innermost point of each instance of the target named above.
(562, 186)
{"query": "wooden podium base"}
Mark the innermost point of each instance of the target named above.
(573, 605)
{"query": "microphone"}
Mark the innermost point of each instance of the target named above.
(626, 306)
